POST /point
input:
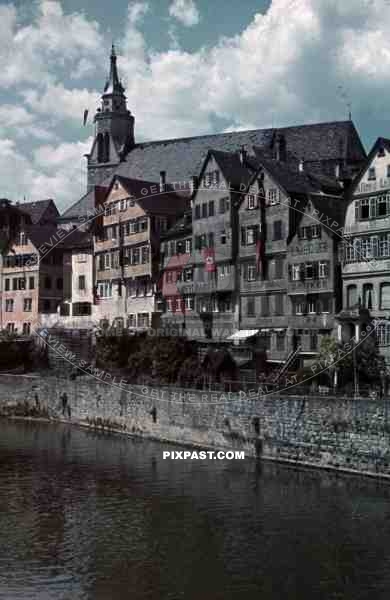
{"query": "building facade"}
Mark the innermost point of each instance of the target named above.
(366, 249)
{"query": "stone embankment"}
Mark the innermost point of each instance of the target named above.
(342, 434)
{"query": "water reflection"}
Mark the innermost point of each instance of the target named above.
(105, 517)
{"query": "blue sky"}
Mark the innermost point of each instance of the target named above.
(190, 67)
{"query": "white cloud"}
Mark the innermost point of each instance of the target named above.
(52, 172)
(185, 11)
(33, 53)
(17, 121)
(285, 67)
(59, 103)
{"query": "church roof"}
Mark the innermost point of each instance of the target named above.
(183, 157)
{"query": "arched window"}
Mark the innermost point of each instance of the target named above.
(385, 296)
(100, 147)
(106, 147)
(368, 293)
(351, 296)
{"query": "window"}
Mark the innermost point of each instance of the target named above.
(223, 205)
(309, 271)
(9, 305)
(383, 334)
(22, 240)
(143, 319)
(309, 232)
(18, 283)
(188, 246)
(81, 282)
(188, 275)
(279, 304)
(123, 204)
(325, 305)
(211, 239)
(388, 170)
(385, 296)
(278, 268)
(224, 270)
(323, 270)
(371, 173)
(223, 237)
(197, 211)
(300, 307)
(7, 286)
(252, 201)
(59, 283)
(273, 196)
(105, 289)
(251, 273)
(26, 328)
(250, 307)
(11, 327)
(313, 341)
(368, 291)
(352, 296)
(249, 235)
(143, 224)
(47, 283)
(109, 210)
(280, 341)
(296, 272)
(204, 210)
(277, 230)
(132, 320)
(145, 254)
(381, 206)
(81, 309)
(31, 283)
(135, 256)
(211, 208)
(27, 305)
(312, 305)
(265, 306)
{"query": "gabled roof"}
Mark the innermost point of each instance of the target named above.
(232, 169)
(381, 142)
(183, 157)
(149, 197)
(37, 209)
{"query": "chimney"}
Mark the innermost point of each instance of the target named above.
(243, 154)
(162, 181)
(301, 166)
(281, 148)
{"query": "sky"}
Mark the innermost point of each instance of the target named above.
(190, 67)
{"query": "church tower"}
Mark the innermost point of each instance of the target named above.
(114, 129)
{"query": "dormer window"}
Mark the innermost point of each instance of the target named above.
(371, 174)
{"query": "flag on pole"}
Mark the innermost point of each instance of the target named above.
(85, 118)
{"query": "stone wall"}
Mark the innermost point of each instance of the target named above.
(323, 432)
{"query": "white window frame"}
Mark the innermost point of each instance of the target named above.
(251, 273)
(252, 201)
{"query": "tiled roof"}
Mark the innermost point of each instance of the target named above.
(295, 181)
(233, 170)
(181, 158)
(149, 197)
(37, 209)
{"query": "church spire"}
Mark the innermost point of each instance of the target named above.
(113, 85)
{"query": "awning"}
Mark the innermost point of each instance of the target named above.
(243, 334)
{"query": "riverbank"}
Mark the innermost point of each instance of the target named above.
(342, 435)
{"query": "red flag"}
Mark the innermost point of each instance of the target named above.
(209, 260)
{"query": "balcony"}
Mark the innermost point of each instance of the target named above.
(260, 285)
(214, 284)
(310, 285)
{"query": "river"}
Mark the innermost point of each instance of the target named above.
(95, 516)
